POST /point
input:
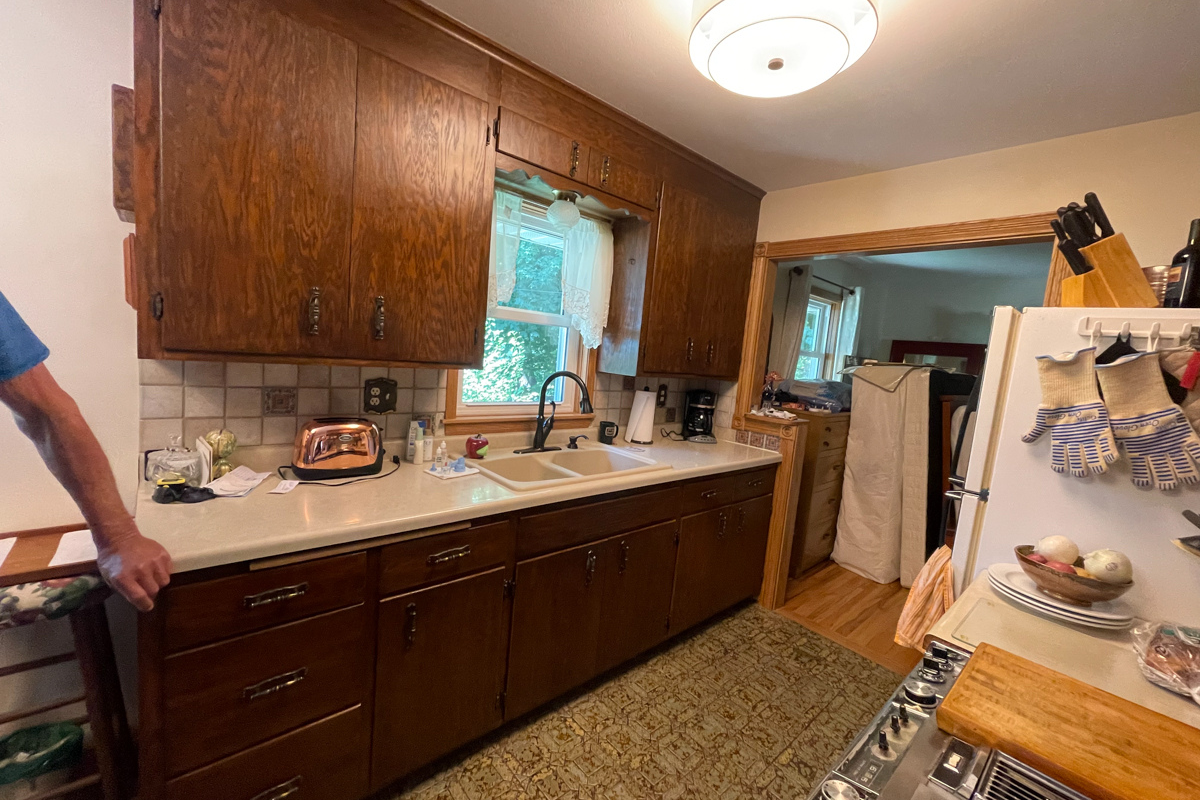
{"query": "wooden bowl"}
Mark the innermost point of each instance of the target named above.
(1074, 589)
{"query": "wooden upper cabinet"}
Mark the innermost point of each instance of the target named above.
(730, 259)
(257, 161)
(423, 174)
(617, 176)
(541, 146)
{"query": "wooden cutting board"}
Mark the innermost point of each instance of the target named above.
(1097, 743)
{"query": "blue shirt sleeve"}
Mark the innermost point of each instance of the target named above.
(20, 348)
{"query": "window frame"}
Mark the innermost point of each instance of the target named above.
(497, 417)
(828, 352)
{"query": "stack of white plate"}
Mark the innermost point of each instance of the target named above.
(1010, 581)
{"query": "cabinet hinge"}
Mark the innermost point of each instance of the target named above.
(496, 129)
(676, 536)
(501, 700)
(476, 334)
(667, 624)
(156, 8)
(156, 305)
(510, 587)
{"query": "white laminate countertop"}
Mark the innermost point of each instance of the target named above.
(1104, 659)
(227, 530)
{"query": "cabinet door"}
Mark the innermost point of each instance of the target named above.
(730, 247)
(677, 292)
(440, 671)
(701, 571)
(555, 624)
(750, 527)
(638, 596)
(256, 179)
(530, 141)
(618, 177)
(422, 209)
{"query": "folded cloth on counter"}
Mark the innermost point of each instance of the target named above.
(931, 595)
(238, 483)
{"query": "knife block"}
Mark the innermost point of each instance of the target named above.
(1117, 269)
(1088, 290)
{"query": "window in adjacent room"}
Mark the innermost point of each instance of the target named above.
(819, 341)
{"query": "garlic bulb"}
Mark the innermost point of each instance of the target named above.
(1109, 566)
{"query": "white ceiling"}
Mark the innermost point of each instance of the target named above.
(1003, 261)
(944, 78)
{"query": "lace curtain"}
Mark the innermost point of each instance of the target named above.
(506, 240)
(587, 278)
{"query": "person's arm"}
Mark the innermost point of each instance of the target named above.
(135, 566)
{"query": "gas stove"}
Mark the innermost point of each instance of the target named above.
(902, 755)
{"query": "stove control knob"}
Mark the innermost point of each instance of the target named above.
(903, 714)
(939, 650)
(883, 741)
(833, 789)
(931, 675)
(938, 664)
(895, 724)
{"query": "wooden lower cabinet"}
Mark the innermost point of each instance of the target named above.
(439, 671)
(637, 600)
(556, 624)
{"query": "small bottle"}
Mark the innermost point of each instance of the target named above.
(439, 460)
(419, 447)
(1183, 281)
(414, 433)
(428, 442)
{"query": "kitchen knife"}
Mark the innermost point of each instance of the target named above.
(1070, 250)
(1079, 227)
(1097, 213)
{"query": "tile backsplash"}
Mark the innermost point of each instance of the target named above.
(265, 403)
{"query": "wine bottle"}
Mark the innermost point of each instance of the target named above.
(1183, 286)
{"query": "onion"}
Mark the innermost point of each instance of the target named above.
(1057, 548)
(1109, 566)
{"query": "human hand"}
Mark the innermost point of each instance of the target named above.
(135, 566)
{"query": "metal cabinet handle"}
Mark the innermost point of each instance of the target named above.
(689, 349)
(589, 570)
(275, 595)
(741, 520)
(314, 311)
(410, 627)
(710, 353)
(378, 318)
(828, 429)
(624, 561)
(754, 484)
(724, 522)
(272, 685)
(604, 171)
(709, 495)
(284, 790)
(574, 158)
(448, 555)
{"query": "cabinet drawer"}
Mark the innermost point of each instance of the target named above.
(825, 502)
(407, 565)
(199, 613)
(828, 467)
(755, 483)
(818, 542)
(719, 490)
(327, 760)
(535, 143)
(830, 435)
(555, 530)
(219, 699)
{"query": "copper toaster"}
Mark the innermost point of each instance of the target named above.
(337, 447)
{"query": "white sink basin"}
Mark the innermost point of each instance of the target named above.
(531, 471)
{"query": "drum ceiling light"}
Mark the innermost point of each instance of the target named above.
(776, 48)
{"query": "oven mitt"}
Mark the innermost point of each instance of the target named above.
(1161, 445)
(1080, 438)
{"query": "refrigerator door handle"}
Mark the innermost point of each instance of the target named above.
(959, 494)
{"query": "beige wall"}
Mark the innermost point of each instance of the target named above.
(1147, 176)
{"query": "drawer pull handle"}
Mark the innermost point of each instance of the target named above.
(754, 484)
(272, 685)
(286, 789)
(828, 429)
(589, 570)
(741, 520)
(574, 159)
(709, 495)
(379, 319)
(314, 311)
(275, 595)
(724, 518)
(448, 555)
(624, 562)
(410, 632)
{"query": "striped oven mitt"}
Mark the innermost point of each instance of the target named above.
(1160, 442)
(1072, 411)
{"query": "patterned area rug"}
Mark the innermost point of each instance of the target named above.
(752, 706)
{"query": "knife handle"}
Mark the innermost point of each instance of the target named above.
(1075, 259)
(1092, 204)
(1079, 227)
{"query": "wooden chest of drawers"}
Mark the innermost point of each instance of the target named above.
(820, 489)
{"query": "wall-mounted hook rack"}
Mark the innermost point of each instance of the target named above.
(1154, 330)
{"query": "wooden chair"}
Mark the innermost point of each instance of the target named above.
(81, 600)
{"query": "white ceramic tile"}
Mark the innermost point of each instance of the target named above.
(280, 374)
(312, 402)
(442, 378)
(278, 430)
(344, 377)
(623, 418)
(425, 401)
(397, 425)
(404, 401)
(725, 402)
(441, 399)
(248, 430)
(627, 400)
(427, 378)
(723, 419)
(345, 401)
(243, 402)
(313, 375)
(405, 378)
(160, 402)
(157, 433)
(204, 373)
(239, 373)
(160, 373)
(660, 416)
(196, 427)
(374, 372)
(204, 401)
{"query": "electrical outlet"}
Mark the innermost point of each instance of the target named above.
(671, 414)
(379, 395)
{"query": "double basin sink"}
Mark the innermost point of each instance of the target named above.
(530, 471)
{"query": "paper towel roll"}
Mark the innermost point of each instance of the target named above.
(640, 429)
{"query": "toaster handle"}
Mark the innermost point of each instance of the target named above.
(378, 319)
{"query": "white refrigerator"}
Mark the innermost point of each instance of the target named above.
(1026, 500)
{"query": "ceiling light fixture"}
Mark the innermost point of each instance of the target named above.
(563, 213)
(776, 48)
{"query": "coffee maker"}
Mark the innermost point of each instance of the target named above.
(698, 416)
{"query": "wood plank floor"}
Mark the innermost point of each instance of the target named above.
(853, 611)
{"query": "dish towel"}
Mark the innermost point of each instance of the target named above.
(931, 595)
